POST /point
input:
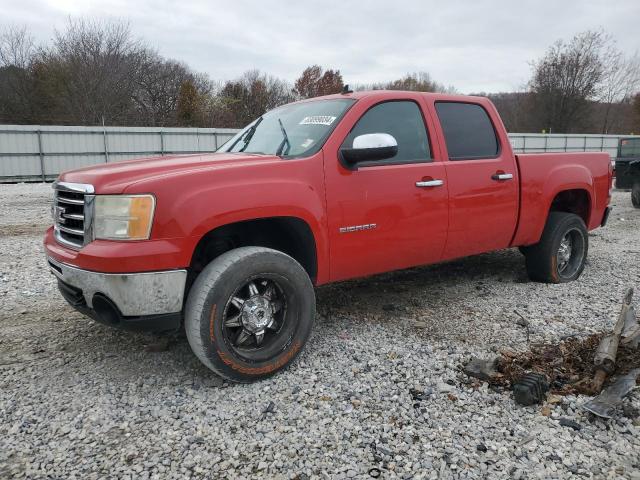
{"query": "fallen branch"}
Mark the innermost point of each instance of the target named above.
(605, 357)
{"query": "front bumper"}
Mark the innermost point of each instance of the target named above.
(121, 296)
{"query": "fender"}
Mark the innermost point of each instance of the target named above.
(537, 195)
(211, 199)
(285, 199)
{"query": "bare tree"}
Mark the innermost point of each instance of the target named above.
(158, 86)
(17, 47)
(566, 78)
(621, 79)
(188, 105)
(636, 113)
(515, 110)
(250, 96)
(417, 82)
(315, 81)
(584, 85)
(98, 62)
(94, 71)
(17, 52)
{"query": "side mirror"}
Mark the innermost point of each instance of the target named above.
(372, 146)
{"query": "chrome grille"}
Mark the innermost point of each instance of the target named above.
(72, 211)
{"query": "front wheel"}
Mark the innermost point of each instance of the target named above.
(249, 313)
(561, 253)
(635, 195)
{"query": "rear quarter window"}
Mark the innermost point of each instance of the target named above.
(468, 131)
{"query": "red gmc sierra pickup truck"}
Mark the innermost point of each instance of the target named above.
(231, 244)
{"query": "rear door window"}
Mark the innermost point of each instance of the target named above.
(468, 131)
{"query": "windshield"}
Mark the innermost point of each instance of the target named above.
(630, 147)
(292, 130)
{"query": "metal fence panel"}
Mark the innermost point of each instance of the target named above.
(24, 166)
(186, 142)
(119, 157)
(134, 142)
(60, 162)
(539, 143)
(34, 152)
(20, 143)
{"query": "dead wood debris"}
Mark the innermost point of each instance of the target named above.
(567, 365)
(577, 365)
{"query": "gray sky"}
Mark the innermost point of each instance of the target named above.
(472, 45)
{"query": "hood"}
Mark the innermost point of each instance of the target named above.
(114, 178)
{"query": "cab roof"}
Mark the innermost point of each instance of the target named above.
(391, 94)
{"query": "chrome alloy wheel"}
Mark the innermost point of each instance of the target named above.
(564, 252)
(254, 314)
(570, 254)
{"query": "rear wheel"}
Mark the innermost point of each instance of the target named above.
(523, 250)
(561, 254)
(635, 195)
(249, 313)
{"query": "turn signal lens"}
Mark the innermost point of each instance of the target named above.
(140, 215)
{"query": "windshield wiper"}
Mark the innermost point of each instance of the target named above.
(285, 141)
(247, 136)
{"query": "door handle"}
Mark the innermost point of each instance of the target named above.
(430, 183)
(502, 176)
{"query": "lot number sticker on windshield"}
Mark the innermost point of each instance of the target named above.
(318, 120)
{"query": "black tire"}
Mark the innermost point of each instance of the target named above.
(524, 249)
(635, 195)
(227, 338)
(546, 262)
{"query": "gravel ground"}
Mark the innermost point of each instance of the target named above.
(80, 400)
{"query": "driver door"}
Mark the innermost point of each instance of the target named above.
(385, 214)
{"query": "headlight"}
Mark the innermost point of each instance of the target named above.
(123, 217)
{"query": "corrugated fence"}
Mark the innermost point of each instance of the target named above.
(539, 143)
(34, 152)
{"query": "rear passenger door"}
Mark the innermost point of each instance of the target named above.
(482, 179)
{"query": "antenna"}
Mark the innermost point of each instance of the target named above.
(346, 90)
